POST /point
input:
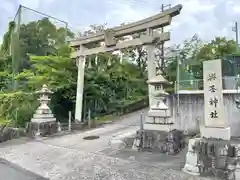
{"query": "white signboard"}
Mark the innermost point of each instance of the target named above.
(213, 97)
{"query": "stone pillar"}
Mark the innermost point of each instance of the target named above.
(80, 86)
(215, 123)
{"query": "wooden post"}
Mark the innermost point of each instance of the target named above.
(89, 118)
(141, 121)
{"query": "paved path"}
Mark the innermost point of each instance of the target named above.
(9, 171)
(70, 157)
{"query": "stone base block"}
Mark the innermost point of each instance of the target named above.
(159, 113)
(158, 127)
(42, 129)
(215, 133)
(149, 139)
(8, 133)
(159, 141)
(159, 120)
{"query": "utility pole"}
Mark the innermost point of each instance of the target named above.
(235, 29)
(163, 8)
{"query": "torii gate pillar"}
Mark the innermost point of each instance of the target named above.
(80, 86)
(151, 66)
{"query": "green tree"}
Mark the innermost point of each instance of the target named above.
(5, 47)
(218, 48)
(184, 55)
(59, 73)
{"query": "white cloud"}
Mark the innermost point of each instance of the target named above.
(196, 6)
(236, 9)
(125, 12)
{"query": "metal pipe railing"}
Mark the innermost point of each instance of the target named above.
(229, 83)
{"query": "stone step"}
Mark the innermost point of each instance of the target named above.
(158, 127)
(43, 116)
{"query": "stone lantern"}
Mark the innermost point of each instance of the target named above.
(43, 112)
(159, 114)
(159, 121)
(43, 121)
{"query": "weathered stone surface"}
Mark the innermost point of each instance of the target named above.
(191, 163)
(8, 133)
(212, 73)
(216, 133)
(162, 141)
(45, 128)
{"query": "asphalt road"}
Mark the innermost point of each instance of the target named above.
(9, 171)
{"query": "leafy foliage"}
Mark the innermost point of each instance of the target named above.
(17, 107)
(193, 52)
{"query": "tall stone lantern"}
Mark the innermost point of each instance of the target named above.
(43, 121)
(159, 116)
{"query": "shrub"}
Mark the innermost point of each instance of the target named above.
(17, 107)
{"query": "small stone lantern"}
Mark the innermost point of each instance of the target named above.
(43, 121)
(159, 112)
(43, 113)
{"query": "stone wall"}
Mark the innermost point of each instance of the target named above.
(191, 111)
(8, 133)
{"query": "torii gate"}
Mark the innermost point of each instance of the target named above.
(109, 36)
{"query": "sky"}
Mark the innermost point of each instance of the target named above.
(207, 18)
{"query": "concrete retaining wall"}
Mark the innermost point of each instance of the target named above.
(191, 111)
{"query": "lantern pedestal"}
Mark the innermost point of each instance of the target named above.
(35, 129)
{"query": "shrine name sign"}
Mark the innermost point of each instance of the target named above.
(213, 96)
